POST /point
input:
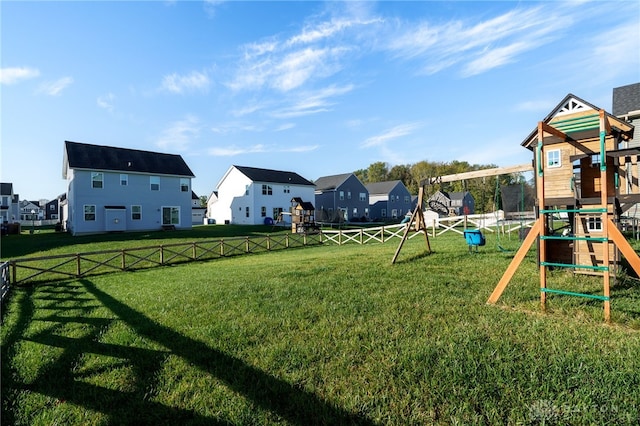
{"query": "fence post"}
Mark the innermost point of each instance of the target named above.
(268, 243)
(222, 247)
(78, 270)
(246, 244)
(382, 235)
(304, 239)
(361, 236)
(14, 270)
(161, 254)
(124, 261)
(286, 240)
(194, 251)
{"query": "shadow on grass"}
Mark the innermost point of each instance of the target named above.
(62, 382)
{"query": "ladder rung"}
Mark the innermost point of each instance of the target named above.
(575, 238)
(572, 293)
(569, 265)
(598, 210)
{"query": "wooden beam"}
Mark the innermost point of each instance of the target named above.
(553, 131)
(478, 174)
(515, 262)
(623, 245)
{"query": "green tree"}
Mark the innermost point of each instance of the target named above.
(377, 172)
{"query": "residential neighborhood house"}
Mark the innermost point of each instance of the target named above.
(197, 211)
(254, 196)
(388, 200)
(452, 203)
(9, 203)
(341, 198)
(119, 189)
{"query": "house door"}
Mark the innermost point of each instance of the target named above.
(115, 219)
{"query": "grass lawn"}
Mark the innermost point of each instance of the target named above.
(322, 335)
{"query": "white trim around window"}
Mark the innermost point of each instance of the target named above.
(171, 215)
(89, 212)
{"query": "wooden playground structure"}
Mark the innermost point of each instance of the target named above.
(583, 175)
(580, 172)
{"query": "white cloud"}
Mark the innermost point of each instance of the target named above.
(312, 102)
(194, 81)
(106, 101)
(477, 46)
(179, 135)
(391, 134)
(13, 75)
(55, 88)
(257, 149)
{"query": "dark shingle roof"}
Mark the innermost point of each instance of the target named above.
(326, 183)
(99, 157)
(6, 188)
(626, 99)
(381, 187)
(273, 176)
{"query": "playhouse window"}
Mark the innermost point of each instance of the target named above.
(595, 160)
(594, 224)
(553, 158)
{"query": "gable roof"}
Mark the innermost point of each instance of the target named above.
(382, 187)
(626, 99)
(99, 157)
(328, 183)
(572, 104)
(273, 176)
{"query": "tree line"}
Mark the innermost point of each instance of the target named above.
(485, 191)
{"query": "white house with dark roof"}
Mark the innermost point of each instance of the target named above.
(388, 200)
(341, 198)
(9, 203)
(120, 189)
(255, 196)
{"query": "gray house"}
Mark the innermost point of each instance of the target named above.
(341, 198)
(388, 200)
(119, 189)
(626, 105)
(452, 203)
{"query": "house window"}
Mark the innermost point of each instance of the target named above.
(276, 212)
(394, 213)
(383, 212)
(263, 211)
(407, 199)
(90, 212)
(136, 212)
(184, 185)
(594, 224)
(287, 189)
(342, 195)
(97, 179)
(171, 215)
(348, 195)
(553, 158)
(246, 211)
(124, 180)
(266, 190)
(154, 181)
(595, 160)
(52, 207)
(366, 212)
(355, 212)
(363, 196)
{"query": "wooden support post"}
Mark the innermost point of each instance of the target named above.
(542, 251)
(515, 262)
(604, 185)
(420, 225)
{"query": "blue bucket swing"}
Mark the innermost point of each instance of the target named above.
(474, 239)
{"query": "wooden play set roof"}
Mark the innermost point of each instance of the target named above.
(575, 119)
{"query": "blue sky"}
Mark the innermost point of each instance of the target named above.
(311, 87)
